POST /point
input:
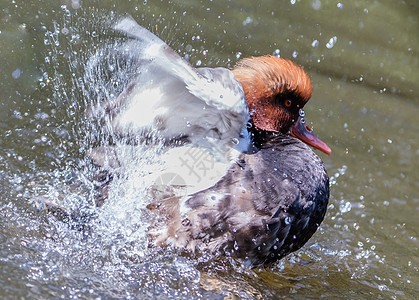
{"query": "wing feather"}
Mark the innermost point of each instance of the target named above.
(173, 100)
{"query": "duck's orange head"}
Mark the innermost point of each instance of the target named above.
(276, 89)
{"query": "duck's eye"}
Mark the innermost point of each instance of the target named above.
(288, 103)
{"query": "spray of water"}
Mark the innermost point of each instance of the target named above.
(84, 69)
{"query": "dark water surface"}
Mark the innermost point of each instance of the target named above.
(363, 59)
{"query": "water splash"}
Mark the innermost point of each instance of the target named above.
(81, 79)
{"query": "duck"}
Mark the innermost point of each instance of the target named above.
(267, 192)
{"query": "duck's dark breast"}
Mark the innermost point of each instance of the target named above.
(268, 205)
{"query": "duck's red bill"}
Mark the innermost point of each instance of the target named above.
(303, 132)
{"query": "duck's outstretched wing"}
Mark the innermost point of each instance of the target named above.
(172, 99)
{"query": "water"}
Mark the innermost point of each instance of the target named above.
(362, 58)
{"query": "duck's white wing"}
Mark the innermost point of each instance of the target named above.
(173, 100)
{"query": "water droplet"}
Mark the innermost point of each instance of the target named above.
(16, 73)
(247, 21)
(315, 43)
(345, 207)
(331, 42)
(236, 246)
(316, 4)
(65, 31)
(235, 141)
(186, 222)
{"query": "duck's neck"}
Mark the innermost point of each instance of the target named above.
(261, 138)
